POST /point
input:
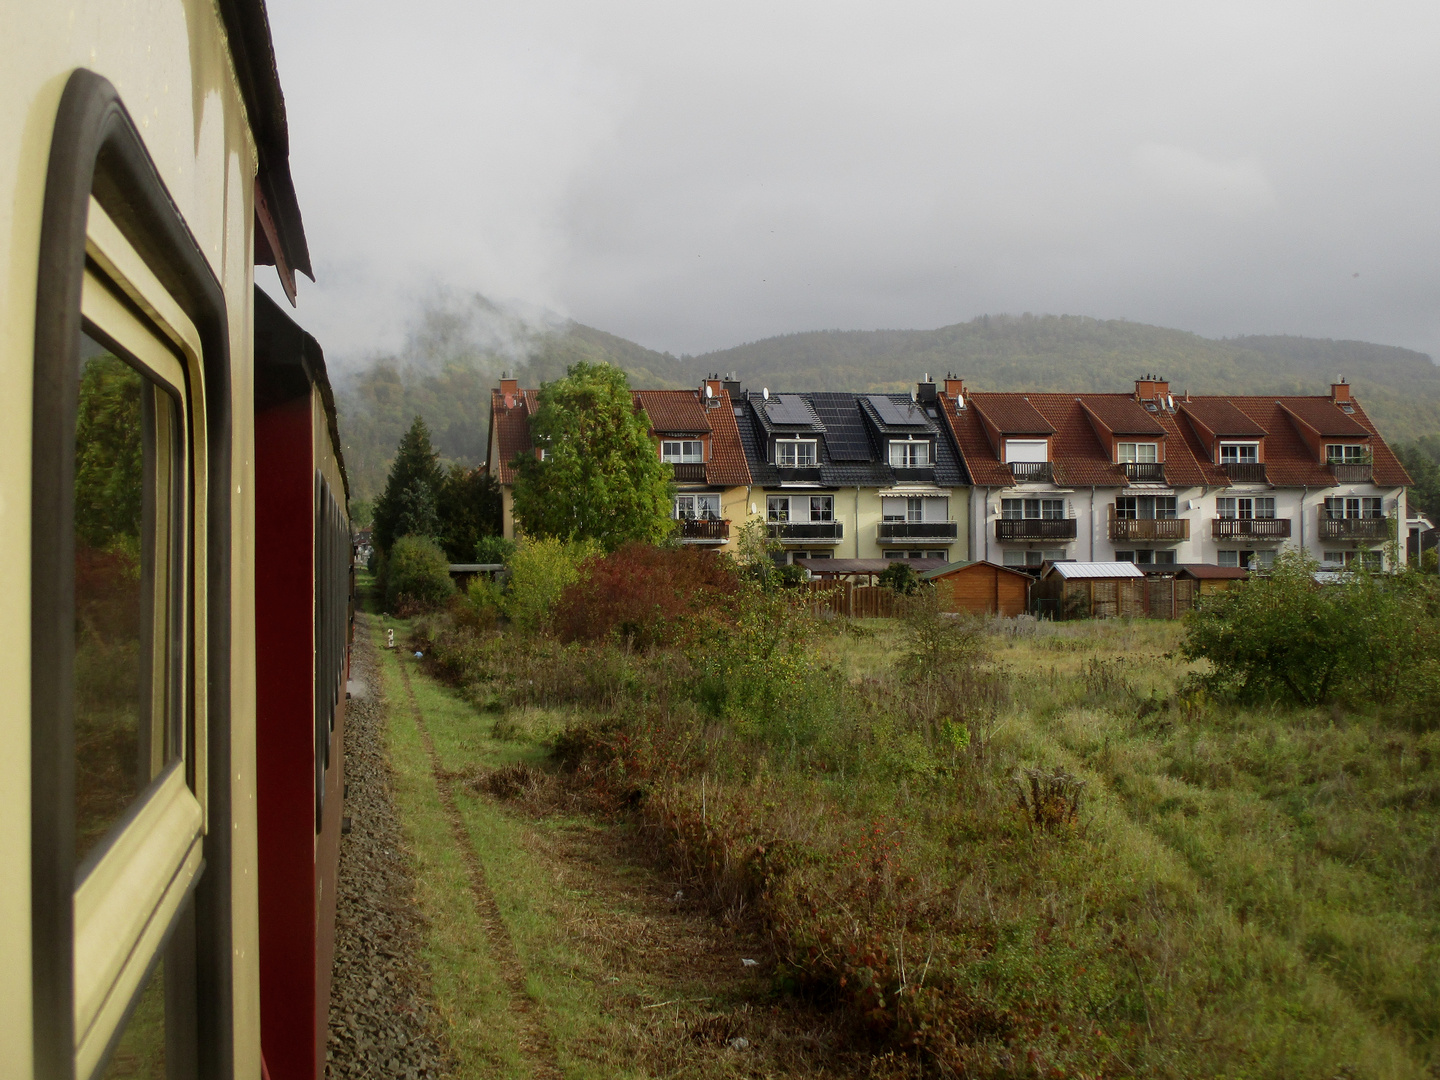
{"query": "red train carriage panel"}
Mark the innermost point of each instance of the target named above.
(302, 630)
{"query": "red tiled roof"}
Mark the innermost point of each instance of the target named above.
(1221, 416)
(975, 450)
(726, 467)
(679, 412)
(1122, 414)
(674, 412)
(1289, 461)
(513, 428)
(1012, 414)
(1324, 416)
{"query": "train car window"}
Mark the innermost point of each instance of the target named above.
(139, 818)
(128, 519)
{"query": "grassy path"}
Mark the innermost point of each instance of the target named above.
(554, 948)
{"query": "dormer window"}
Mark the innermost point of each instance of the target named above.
(1130, 453)
(795, 453)
(909, 454)
(682, 450)
(1347, 454)
(1026, 450)
(1239, 453)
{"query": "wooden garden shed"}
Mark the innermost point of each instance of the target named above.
(1099, 590)
(981, 586)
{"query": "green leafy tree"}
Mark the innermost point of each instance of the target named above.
(417, 575)
(468, 505)
(1421, 459)
(601, 479)
(901, 577)
(109, 457)
(407, 506)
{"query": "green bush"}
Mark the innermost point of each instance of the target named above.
(417, 575)
(539, 572)
(494, 549)
(901, 577)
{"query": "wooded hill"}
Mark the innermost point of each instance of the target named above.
(1400, 388)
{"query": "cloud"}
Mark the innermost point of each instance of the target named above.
(1190, 179)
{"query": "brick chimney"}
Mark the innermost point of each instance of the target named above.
(508, 389)
(1340, 391)
(715, 385)
(1151, 388)
(954, 386)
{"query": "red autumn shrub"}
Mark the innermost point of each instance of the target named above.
(645, 595)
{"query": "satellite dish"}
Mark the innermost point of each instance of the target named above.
(1170, 400)
(959, 401)
(766, 391)
(914, 395)
(708, 392)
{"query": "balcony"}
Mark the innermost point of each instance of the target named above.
(806, 532)
(1355, 528)
(1032, 472)
(1352, 474)
(799, 474)
(1245, 472)
(1144, 472)
(689, 472)
(1035, 529)
(917, 530)
(1161, 530)
(1250, 528)
(703, 531)
(914, 474)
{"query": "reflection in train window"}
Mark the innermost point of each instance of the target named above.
(140, 1053)
(128, 649)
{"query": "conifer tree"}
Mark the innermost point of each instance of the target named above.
(408, 504)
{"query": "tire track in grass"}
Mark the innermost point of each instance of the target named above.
(536, 1044)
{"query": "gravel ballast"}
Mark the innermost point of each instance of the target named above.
(382, 1020)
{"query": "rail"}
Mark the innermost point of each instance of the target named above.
(1035, 529)
(1146, 471)
(703, 531)
(689, 471)
(1245, 472)
(1149, 528)
(1032, 472)
(1250, 528)
(1353, 474)
(918, 530)
(1355, 528)
(825, 532)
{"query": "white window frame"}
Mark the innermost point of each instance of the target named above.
(1027, 451)
(1032, 509)
(909, 454)
(1347, 454)
(792, 448)
(822, 508)
(1137, 453)
(697, 506)
(682, 451)
(1239, 453)
(777, 509)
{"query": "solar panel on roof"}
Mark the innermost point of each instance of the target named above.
(896, 415)
(845, 436)
(790, 410)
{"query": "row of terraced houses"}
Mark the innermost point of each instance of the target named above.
(1150, 477)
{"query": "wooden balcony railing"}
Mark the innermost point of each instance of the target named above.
(807, 532)
(1245, 472)
(1035, 529)
(1250, 528)
(918, 530)
(1162, 529)
(1150, 472)
(1352, 474)
(1354, 528)
(702, 531)
(689, 472)
(1032, 472)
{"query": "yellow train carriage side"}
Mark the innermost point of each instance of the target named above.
(142, 168)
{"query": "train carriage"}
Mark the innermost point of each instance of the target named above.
(144, 173)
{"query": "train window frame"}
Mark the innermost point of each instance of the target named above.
(162, 275)
(130, 889)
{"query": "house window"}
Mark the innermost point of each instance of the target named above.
(937, 555)
(1131, 452)
(1124, 556)
(1239, 453)
(544, 454)
(894, 554)
(1027, 450)
(822, 508)
(1145, 507)
(794, 453)
(777, 508)
(1227, 558)
(1258, 509)
(1263, 560)
(1030, 559)
(914, 508)
(702, 506)
(1338, 508)
(1371, 560)
(909, 455)
(819, 555)
(1165, 558)
(1347, 454)
(682, 450)
(1044, 509)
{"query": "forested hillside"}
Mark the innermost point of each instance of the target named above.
(448, 367)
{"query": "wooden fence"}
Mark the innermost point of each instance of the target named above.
(854, 601)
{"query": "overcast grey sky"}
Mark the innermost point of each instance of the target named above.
(693, 176)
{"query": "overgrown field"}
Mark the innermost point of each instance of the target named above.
(1011, 849)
